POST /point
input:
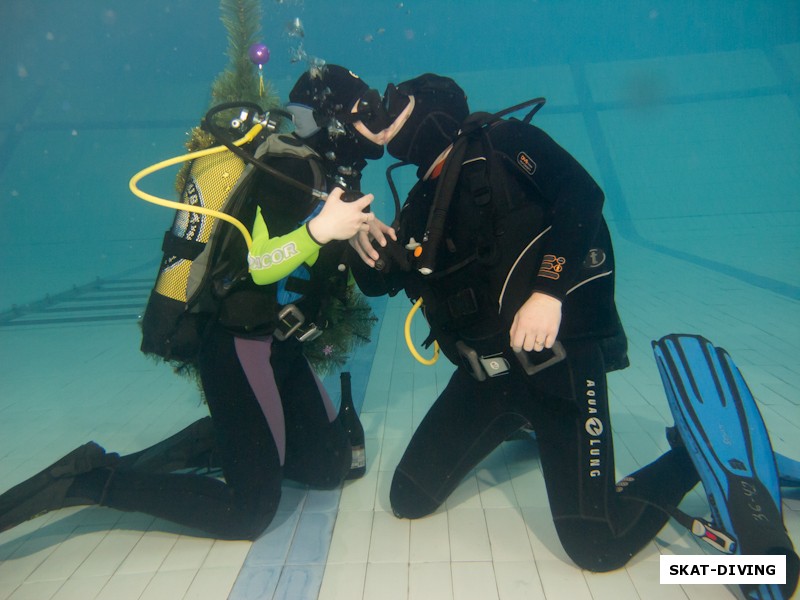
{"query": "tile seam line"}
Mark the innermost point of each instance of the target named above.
(619, 205)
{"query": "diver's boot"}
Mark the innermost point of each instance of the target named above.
(192, 447)
(48, 489)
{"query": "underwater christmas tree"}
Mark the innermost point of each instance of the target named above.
(239, 82)
(346, 317)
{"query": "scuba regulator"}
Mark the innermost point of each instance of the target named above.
(252, 123)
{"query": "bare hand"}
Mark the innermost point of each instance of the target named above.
(341, 220)
(536, 323)
(362, 241)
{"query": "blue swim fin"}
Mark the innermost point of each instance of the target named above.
(719, 423)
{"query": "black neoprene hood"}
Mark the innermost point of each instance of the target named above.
(440, 106)
(330, 89)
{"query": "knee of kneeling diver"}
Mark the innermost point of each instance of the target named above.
(251, 526)
(594, 558)
(590, 547)
(600, 563)
(247, 520)
(330, 481)
(409, 500)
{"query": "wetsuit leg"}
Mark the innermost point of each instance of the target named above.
(317, 448)
(463, 426)
(193, 447)
(244, 504)
(599, 527)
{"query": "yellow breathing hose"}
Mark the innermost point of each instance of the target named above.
(410, 344)
(248, 137)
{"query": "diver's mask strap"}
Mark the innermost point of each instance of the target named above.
(305, 125)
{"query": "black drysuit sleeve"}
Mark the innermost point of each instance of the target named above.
(572, 200)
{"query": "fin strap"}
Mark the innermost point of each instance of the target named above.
(715, 537)
(698, 527)
(702, 529)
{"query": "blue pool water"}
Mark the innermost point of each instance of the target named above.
(686, 112)
(690, 110)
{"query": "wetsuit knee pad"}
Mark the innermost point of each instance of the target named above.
(249, 527)
(409, 500)
(319, 457)
(322, 474)
(250, 516)
(591, 544)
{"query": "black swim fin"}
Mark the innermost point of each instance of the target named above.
(49, 489)
(718, 421)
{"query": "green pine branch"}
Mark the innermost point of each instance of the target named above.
(240, 80)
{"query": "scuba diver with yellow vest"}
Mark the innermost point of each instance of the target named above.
(258, 302)
(503, 241)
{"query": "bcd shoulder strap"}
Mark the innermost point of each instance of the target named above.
(474, 126)
(282, 145)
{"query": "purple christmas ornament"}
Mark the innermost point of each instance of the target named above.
(259, 54)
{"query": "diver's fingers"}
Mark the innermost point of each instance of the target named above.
(531, 344)
(378, 232)
(366, 243)
(381, 230)
(360, 243)
(514, 335)
(364, 201)
(335, 194)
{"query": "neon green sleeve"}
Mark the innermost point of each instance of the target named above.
(272, 259)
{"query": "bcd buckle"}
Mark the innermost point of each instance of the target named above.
(290, 318)
(481, 367)
(308, 334)
(544, 359)
(290, 323)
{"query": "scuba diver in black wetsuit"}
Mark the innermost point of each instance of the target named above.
(504, 241)
(270, 416)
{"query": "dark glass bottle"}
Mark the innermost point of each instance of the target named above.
(355, 431)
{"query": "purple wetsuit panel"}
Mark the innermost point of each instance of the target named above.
(254, 356)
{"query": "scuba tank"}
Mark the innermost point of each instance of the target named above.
(174, 320)
(182, 303)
